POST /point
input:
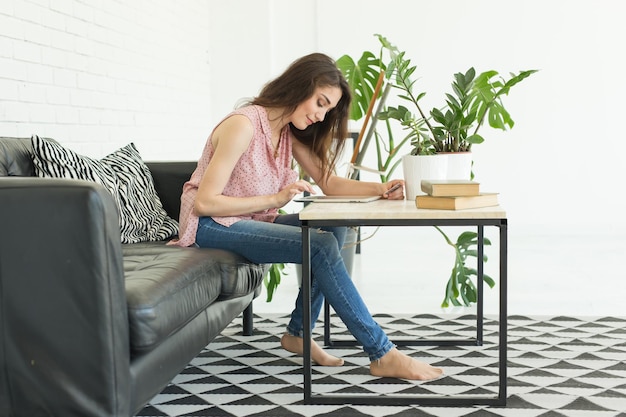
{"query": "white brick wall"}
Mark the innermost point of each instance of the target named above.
(96, 75)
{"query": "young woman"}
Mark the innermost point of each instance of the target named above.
(245, 175)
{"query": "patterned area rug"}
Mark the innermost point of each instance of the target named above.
(557, 366)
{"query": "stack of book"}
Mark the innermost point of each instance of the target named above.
(454, 195)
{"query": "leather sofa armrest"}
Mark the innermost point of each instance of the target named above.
(64, 346)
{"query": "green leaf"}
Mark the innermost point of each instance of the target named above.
(362, 77)
(489, 281)
(499, 118)
(438, 116)
(272, 279)
(460, 288)
(474, 139)
(466, 237)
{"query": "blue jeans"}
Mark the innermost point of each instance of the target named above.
(281, 242)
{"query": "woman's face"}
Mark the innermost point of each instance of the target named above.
(314, 109)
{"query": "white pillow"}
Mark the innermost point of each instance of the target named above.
(124, 174)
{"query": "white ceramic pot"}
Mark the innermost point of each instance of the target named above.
(422, 167)
(443, 166)
(459, 166)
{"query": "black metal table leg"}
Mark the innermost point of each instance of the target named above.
(479, 286)
(306, 299)
(503, 311)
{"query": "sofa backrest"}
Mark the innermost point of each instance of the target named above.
(169, 177)
(15, 157)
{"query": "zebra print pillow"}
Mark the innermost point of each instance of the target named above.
(123, 173)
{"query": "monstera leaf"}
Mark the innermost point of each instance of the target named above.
(362, 77)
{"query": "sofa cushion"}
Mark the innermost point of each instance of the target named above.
(124, 174)
(168, 286)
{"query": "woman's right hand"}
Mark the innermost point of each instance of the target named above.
(287, 194)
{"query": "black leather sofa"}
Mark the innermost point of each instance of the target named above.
(90, 326)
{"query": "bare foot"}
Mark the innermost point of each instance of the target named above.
(295, 345)
(396, 364)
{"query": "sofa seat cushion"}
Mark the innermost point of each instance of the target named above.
(168, 286)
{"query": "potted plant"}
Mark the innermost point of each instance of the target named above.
(435, 137)
(454, 128)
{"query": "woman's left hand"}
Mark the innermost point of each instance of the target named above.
(394, 190)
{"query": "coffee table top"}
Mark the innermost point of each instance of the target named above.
(392, 209)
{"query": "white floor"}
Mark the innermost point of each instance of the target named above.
(404, 270)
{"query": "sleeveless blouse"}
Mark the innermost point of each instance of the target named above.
(258, 172)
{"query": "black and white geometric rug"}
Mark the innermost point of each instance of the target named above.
(557, 366)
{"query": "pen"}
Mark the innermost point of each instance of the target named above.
(394, 188)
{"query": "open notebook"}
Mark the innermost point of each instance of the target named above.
(337, 198)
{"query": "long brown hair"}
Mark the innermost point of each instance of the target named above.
(297, 84)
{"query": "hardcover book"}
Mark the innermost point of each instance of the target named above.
(456, 202)
(446, 188)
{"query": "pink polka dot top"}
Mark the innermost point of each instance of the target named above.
(258, 172)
